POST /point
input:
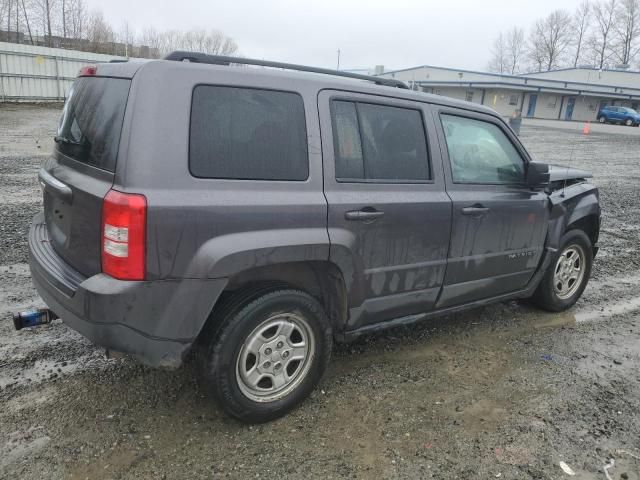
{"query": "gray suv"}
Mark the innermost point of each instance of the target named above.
(252, 216)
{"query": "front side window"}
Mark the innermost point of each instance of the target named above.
(247, 134)
(480, 152)
(379, 142)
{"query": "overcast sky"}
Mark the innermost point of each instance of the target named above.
(393, 33)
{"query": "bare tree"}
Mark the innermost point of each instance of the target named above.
(41, 11)
(3, 11)
(213, 42)
(549, 40)
(498, 61)
(26, 21)
(76, 17)
(71, 20)
(581, 23)
(152, 39)
(99, 33)
(627, 31)
(516, 49)
(126, 36)
(604, 15)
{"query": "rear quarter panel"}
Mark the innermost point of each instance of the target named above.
(208, 228)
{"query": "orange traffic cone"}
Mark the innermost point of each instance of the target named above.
(587, 128)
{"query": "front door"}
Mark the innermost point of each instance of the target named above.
(389, 215)
(498, 224)
(531, 110)
(568, 113)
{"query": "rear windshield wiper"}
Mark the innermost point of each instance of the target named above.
(65, 140)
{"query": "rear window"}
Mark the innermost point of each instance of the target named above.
(247, 134)
(91, 122)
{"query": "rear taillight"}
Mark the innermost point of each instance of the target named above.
(124, 224)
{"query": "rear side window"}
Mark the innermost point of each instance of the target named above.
(379, 143)
(91, 122)
(247, 134)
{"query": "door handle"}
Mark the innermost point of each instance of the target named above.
(477, 210)
(363, 215)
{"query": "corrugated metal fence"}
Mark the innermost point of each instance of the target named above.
(41, 74)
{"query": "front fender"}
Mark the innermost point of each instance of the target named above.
(568, 206)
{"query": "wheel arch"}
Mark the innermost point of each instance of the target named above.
(589, 224)
(323, 280)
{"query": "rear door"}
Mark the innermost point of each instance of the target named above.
(81, 171)
(499, 224)
(389, 216)
(615, 113)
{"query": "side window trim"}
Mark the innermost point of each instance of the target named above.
(417, 107)
(522, 153)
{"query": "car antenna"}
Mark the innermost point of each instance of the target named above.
(585, 132)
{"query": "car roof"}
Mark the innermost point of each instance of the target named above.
(318, 80)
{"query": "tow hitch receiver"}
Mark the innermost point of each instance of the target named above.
(33, 318)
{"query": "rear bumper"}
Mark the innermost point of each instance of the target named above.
(156, 321)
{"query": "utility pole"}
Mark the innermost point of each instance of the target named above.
(338, 67)
(64, 20)
(48, 13)
(17, 21)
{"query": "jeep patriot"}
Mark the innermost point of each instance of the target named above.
(253, 216)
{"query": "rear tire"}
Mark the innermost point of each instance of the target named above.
(567, 275)
(267, 354)
(602, 120)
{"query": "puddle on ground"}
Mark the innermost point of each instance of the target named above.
(608, 310)
(584, 314)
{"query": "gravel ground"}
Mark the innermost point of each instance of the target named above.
(504, 391)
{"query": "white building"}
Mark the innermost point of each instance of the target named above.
(566, 94)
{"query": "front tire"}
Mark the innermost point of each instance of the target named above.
(629, 122)
(268, 354)
(567, 276)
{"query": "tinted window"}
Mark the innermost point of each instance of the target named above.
(249, 134)
(480, 152)
(376, 142)
(91, 122)
(348, 148)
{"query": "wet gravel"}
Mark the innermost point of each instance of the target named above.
(13, 231)
(504, 391)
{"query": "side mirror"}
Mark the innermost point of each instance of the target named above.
(537, 175)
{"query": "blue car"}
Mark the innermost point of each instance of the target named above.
(621, 115)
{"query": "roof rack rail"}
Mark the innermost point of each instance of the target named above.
(195, 57)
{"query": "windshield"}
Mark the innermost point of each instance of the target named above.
(91, 122)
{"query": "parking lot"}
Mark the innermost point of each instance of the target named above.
(504, 391)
